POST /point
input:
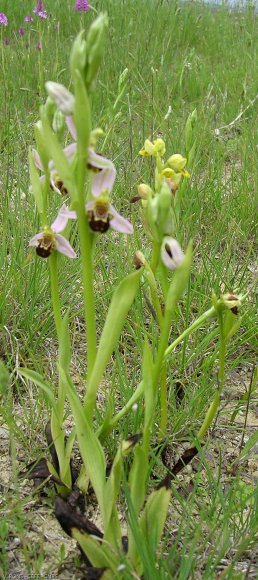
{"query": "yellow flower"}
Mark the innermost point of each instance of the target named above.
(153, 149)
(177, 162)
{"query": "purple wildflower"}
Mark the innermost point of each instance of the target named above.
(3, 19)
(82, 5)
(50, 239)
(40, 10)
(28, 18)
(21, 31)
(38, 45)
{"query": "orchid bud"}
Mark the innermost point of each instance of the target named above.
(139, 260)
(177, 162)
(78, 54)
(95, 48)
(144, 191)
(61, 96)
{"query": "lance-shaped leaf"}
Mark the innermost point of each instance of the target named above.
(153, 519)
(100, 555)
(90, 448)
(58, 156)
(112, 489)
(154, 515)
(38, 380)
(122, 300)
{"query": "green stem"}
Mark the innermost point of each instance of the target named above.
(209, 416)
(55, 292)
(155, 256)
(163, 403)
(211, 413)
(154, 292)
(196, 324)
(88, 290)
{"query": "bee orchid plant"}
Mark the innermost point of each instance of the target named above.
(87, 179)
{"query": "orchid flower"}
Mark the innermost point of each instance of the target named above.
(50, 239)
(101, 213)
(40, 10)
(56, 182)
(171, 253)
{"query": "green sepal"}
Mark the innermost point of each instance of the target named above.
(232, 323)
(41, 147)
(36, 186)
(61, 163)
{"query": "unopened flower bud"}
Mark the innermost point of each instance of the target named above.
(78, 54)
(95, 47)
(177, 162)
(138, 260)
(144, 190)
(61, 96)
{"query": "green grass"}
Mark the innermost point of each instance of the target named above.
(179, 56)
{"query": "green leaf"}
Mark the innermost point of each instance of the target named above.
(61, 163)
(38, 380)
(154, 516)
(137, 478)
(90, 448)
(122, 300)
(100, 555)
(36, 184)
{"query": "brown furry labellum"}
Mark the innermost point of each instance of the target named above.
(45, 246)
